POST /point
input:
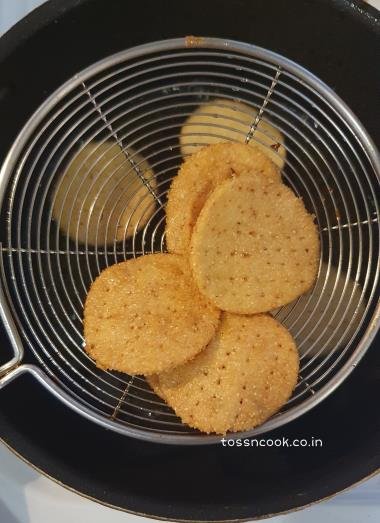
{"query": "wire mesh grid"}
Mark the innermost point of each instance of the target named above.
(138, 101)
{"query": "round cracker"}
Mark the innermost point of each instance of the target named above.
(254, 246)
(223, 120)
(198, 177)
(146, 315)
(87, 204)
(245, 374)
(270, 372)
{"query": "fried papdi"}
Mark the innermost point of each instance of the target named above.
(100, 198)
(270, 373)
(254, 246)
(198, 177)
(222, 120)
(246, 373)
(146, 315)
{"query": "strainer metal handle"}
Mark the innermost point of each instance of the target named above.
(8, 376)
(49, 384)
(7, 370)
(14, 368)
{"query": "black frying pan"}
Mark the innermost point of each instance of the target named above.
(340, 42)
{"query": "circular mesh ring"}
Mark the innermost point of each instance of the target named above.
(139, 99)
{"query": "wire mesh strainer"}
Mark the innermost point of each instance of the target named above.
(139, 99)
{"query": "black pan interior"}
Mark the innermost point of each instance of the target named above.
(211, 483)
(340, 44)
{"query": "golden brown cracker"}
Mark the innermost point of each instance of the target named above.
(223, 120)
(146, 315)
(246, 373)
(204, 392)
(270, 372)
(100, 198)
(254, 246)
(198, 177)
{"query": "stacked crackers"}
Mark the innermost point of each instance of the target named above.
(195, 321)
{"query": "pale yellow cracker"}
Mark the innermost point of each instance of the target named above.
(146, 315)
(198, 177)
(254, 246)
(222, 120)
(100, 198)
(245, 374)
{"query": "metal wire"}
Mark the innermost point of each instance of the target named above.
(140, 100)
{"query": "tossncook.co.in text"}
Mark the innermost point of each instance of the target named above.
(278, 442)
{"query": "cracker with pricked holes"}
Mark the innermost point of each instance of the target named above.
(100, 199)
(270, 370)
(198, 177)
(146, 315)
(246, 373)
(254, 246)
(221, 120)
